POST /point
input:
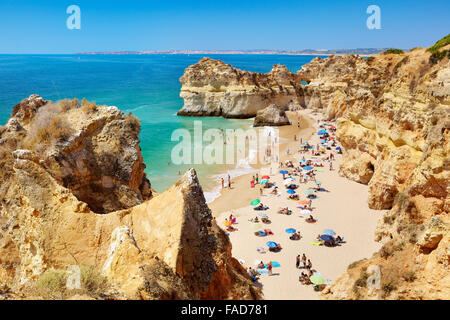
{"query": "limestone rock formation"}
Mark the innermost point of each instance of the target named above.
(272, 116)
(166, 247)
(214, 88)
(393, 123)
(93, 151)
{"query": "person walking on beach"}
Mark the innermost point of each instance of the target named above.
(257, 178)
(309, 266)
(223, 183)
(331, 166)
(269, 267)
(304, 260)
(297, 262)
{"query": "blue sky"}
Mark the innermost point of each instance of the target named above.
(39, 26)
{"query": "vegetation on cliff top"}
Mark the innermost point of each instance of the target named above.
(393, 51)
(436, 53)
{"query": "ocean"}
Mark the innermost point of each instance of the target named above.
(146, 85)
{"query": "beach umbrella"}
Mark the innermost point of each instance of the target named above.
(323, 141)
(307, 168)
(309, 192)
(331, 138)
(271, 244)
(302, 160)
(257, 226)
(329, 232)
(317, 280)
(326, 238)
(263, 181)
(306, 211)
(265, 177)
(291, 230)
(227, 223)
(262, 215)
(283, 172)
(333, 127)
(321, 132)
(290, 191)
(255, 202)
(303, 202)
(338, 148)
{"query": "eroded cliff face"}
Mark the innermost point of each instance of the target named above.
(166, 247)
(93, 151)
(393, 123)
(214, 88)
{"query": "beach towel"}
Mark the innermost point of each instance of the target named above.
(274, 264)
(314, 221)
(316, 243)
(262, 233)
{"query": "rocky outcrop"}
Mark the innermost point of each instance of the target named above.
(393, 123)
(214, 88)
(93, 151)
(272, 116)
(167, 247)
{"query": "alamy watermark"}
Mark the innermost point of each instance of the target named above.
(74, 20)
(374, 20)
(225, 146)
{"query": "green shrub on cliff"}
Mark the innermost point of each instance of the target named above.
(436, 53)
(440, 44)
(393, 51)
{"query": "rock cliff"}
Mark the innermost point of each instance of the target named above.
(73, 192)
(393, 123)
(214, 88)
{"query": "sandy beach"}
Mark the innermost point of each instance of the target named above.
(342, 208)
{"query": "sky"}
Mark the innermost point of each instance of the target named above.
(39, 26)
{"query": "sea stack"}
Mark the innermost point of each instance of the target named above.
(214, 88)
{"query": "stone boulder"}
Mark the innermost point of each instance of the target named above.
(272, 116)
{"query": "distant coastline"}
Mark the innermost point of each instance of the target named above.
(360, 51)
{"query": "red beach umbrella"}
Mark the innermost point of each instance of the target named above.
(265, 177)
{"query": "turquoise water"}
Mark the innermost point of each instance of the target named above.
(146, 85)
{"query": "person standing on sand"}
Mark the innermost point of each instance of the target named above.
(223, 183)
(269, 267)
(309, 266)
(331, 166)
(304, 260)
(297, 262)
(257, 178)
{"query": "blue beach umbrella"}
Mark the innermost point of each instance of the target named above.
(323, 141)
(263, 181)
(291, 230)
(329, 232)
(326, 238)
(283, 171)
(338, 148)
(321, 132)
(290, 191)
(271, 244)
(307, 168)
